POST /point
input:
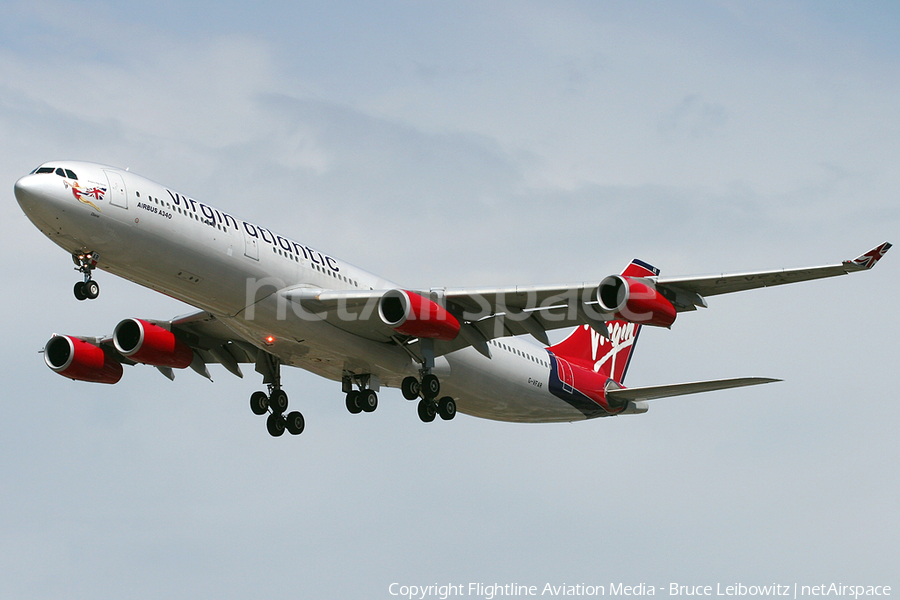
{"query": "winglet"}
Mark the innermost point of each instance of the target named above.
(870, 258)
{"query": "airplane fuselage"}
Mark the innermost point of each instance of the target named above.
(232, 268)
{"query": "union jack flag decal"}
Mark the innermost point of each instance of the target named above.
(96, 193)
(85, 194)
(868, 260)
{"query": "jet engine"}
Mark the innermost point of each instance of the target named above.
(77, 359)
(634, 301)
(150, 344)
(412, 314)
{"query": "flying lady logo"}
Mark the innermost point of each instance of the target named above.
(84, 195)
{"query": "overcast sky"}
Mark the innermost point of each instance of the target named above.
(452, 144)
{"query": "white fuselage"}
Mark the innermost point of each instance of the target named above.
(163, 240)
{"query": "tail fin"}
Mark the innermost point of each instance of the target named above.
(608, 357)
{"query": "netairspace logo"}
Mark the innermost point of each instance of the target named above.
(490, 591)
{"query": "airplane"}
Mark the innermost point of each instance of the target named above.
(267, 300)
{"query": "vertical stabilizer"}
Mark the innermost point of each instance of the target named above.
(608, 357)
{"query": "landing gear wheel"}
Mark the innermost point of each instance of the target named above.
(446, 408)
(259, 403)
(91, 289)
(278, 401)
(368, 400)
(353, 402)
(294, 423)
(426, 411)
(275, 424)
(431, 387)
(86, 262)
(410, 387)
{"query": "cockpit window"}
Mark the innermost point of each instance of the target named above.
(66, 173)
(58, 170)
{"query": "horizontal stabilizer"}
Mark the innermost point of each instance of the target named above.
(680, 389)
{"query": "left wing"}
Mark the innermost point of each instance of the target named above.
(193, 340)
(212, 342)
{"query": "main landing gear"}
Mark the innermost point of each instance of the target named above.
(428, 390)
(276, 401)
(87, 289)
(363, 400)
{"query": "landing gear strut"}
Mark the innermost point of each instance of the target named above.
(276, 401)
(86, 263)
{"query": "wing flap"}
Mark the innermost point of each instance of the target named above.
(213, 343)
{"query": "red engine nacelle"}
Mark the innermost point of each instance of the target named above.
(634, 301)
(150, 344)
(412, 314)
(77, 359)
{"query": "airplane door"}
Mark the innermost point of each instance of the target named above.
(117, 195)
(251, 246)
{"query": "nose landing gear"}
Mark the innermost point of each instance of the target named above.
(87, 289)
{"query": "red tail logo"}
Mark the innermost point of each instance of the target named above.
(590, 350)
(607, 357)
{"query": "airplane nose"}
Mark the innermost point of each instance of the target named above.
(27, 190)
(37, 197)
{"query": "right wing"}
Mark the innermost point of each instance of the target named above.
(488, 313)
(712, 285)
(483, 313)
